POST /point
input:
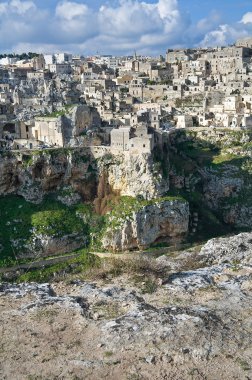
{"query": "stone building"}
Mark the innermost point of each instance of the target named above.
(120, 138)
(232, 103)
(48, 130)
(154, 119)
(184, 121)
(60, 68)
(174, 56)
(136, 140)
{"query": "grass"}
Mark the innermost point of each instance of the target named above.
(125, 206)
(143, 272)
(20, 220)
(75, 266)
(61, 112)
(149, 286)
(108, 354)
(223, 158)
(245, 366)
(108, 310)
(41, 314)
(209, 152)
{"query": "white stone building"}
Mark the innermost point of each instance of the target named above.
(48, 130)
(135, 140)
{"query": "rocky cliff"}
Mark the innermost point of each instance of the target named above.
(34, 174)
(214, 167)
(133, 175)
(142, 224)
(70, 178)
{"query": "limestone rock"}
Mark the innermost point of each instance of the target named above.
(218, 187)
(239, 215)
(34, 174)
(234, 249)
(196, 325)
(78, 119)
(163, 219)
(134, 175)
(45, 245)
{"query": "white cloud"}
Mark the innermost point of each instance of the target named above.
(129, 18)
(142, 24)
(247, 18)
(74, 22)
(128, 25)
(226, 34)
(43, 48)
(167, 9)
(17, 7)
(22, 7)
(69, 10)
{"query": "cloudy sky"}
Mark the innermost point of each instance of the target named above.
(120, 26)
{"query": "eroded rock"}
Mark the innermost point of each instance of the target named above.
(162, 219)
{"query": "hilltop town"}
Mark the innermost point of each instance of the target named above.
(127, 103)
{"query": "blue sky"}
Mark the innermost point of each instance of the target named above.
(121, 26)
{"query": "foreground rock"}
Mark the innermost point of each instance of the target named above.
(197, 325)
(232, 250)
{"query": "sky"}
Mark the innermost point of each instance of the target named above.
(120, 27)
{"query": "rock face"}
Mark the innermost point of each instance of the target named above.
(239, 215)
(79, 119)
(163, 219)
(8, 177)
(32, 175)
(196, 325)
(229, 193)
(44, 245)
(215, 167)
(216, 188)
(134, 175)
(89, 175)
